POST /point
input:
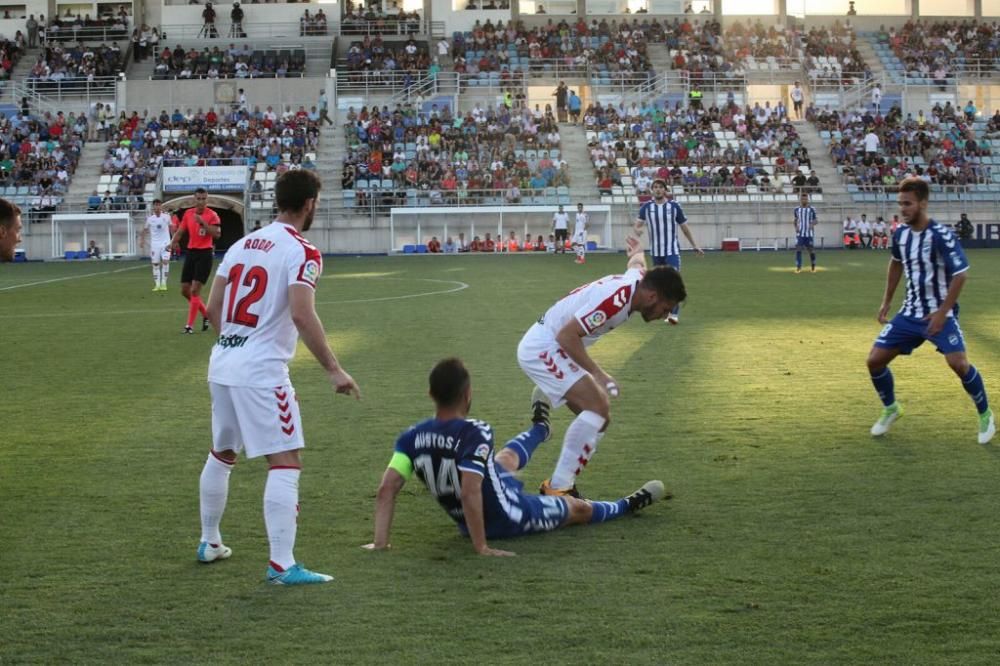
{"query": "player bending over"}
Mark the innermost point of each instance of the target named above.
(553, 352)
(453, 455)
(935, 266)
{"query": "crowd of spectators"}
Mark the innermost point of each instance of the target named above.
(376, 61)
(936, 50)
(311, 25)
(875, 153)
(613, 48)
(63, 64)
(486, 154)
(372, 21)
(268, 140)
(111, 24)
(833, 55)
(236, 61)
(754, 43)
(38, 156)
(723, 149)
(10, 54)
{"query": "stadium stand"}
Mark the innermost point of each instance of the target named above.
(938, 51)
(234, 61)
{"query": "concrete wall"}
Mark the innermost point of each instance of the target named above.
(157, 95)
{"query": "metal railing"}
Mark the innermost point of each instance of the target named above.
(74, 33)
(100, 88)
(388, 25)
(224, 31)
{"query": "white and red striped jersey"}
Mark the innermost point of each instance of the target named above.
(598, 307)
(258, 337)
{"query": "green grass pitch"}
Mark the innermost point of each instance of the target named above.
(793, 537)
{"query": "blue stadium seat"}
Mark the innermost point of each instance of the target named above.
(421, 249)
(591, 246)
(409, 249)
(82, 254)
(70, 254)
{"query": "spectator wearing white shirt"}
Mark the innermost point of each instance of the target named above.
(872, 142)
(877, 98)
(865, 231)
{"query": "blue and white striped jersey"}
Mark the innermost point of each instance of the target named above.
(661, 221)
(805, 217)
(930, 259)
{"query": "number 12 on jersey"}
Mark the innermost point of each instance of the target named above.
(238, 312)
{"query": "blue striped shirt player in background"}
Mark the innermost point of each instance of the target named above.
(936, 269)
(805, 231)
(663, 217)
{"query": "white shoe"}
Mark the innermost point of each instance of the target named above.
(673, 319)
(987, 427)
(885, 421)
(210, 553)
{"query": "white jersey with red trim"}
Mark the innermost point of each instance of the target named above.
(258, 336)
(598, 306)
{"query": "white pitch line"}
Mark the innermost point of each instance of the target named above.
(459, 286)
(69, 277)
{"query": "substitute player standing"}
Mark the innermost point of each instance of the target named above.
(157, 229)
(262, 300)
(453, 455)
(580, 234)
(936, 269)
(805, 232)
(202, 226)
(560, 227)
(553, 352)
(663, 217)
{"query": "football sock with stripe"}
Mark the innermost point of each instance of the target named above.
(164, 272)
(885, 386)
(579, 446)
(798, 258)
(605, 511)
(213, 491)
(524, 445)
(973, 385)
(281, 508)
(156, 274)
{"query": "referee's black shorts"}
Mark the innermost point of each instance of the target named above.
(197, 266)
(562, 234)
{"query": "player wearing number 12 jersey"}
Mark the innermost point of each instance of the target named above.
(553, 353)
(262, 300)
(453, 456)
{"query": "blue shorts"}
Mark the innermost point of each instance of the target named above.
(539, 513)
(907, 333)
(804, 241)
(669, 260)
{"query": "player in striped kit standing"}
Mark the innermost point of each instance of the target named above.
(931, 258)
(805, 231)
(663, 218)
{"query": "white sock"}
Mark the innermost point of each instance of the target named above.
(579, 445)
(164, 271)
(156, 274)
(214, 489)
(281, 508)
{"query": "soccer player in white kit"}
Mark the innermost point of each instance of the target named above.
(553, 353)
(262, 300)
(157, 228)
(580, 234)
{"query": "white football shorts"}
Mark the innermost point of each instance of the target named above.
(159, 253)
(580, 238)
(546, 364)
(259, 421)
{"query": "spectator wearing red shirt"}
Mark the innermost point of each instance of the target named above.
(434, 245)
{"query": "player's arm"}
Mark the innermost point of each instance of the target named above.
(213, 230)
(939, 316)
(385, 500)
(472, 509)
(690, 237)
(635, 254)
(175, 240)
(215, 301)
(891, 282)
(302, 302)
(570, 339)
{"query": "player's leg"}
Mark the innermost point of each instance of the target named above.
(164, 267)
(812, 255)
(517, 452)
(213, 485)
(154, 262)
(798, 256)
(897, 337)
(272, 426)
(583, 512)
(590, 403)
(951, 343)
